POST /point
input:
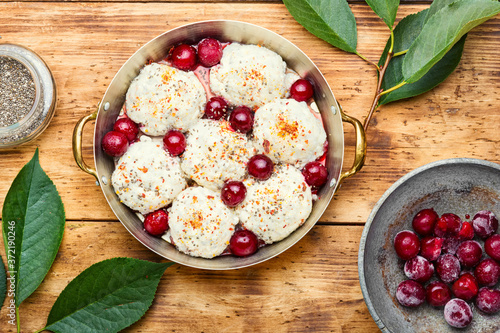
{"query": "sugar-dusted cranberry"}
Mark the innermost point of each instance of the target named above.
(410, 293)
(467, 231)
(233, 193)
(243, 243)
(487, 272)
(448, 225)
(488, 300)
(216, 108)
(458, 313)
(469, 253)
(315, 173)
(156, 223)
(174, 142)
(114, 143)
(451, 244)
(485, 223)
(492, 246)
(301, 90)
(438, 293)
(260, 166)
(419, 269)
(448, 268)
(127, 127)
(430, 247)
(423, 223)
(241, 119)
(184, 57)
(209, 52)
(465, 287)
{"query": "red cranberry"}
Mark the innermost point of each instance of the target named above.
(451, 244)
(469, 253)
(209, 52)
(448, 268)
(233, 193)
(127, 127)
(114, 143)
(438, 293)
(487, 272)
(241, 119)
(485, 223)
(315, 173)
(174, 142)
(458, 313)
(465, 287)
(243, 243)
(448, 225)
(260, 166)
(488, 300)
(410, 293)
(301, 90)
(467, 231)
(492, 246)
(423, 223)
(406, 244)
(430, 247)
(419, 269)
(156, 223)
(216, 108)
(184, 57)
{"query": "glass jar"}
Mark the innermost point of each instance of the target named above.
(38, 118)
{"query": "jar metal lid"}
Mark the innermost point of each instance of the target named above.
(42, 111)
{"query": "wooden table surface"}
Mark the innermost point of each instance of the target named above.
(313, 286)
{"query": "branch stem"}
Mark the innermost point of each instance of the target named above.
(378, 92)
(391, 49)
(393, 88)
(400, 53)
(18, 322)
(368, 61)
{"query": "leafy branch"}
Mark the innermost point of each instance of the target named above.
(106, 297)
(421, 51)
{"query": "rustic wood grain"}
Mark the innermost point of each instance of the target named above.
(86, 43)
(313, 287)
(413, 2)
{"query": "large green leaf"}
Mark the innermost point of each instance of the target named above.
(442, 31)
(33, 225)
(106, 297)
(404, 34)
(385, 9)
(330, 20)
(3, 283)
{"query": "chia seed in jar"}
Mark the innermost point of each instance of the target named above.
(27, 95)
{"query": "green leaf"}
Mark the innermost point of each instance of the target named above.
(107, 296)
(442, 31)
(33, 226)
(436, 6)
(385, 9)
(330, 20)
(3, 283)
(404, 34)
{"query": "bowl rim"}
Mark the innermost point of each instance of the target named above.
(381, 201)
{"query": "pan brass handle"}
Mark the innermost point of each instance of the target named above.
(77, 144)
(360, 153)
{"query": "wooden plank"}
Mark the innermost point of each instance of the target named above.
(413, 2)
(86, 43)
(312, 287)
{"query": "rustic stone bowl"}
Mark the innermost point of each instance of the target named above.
(461, 186)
